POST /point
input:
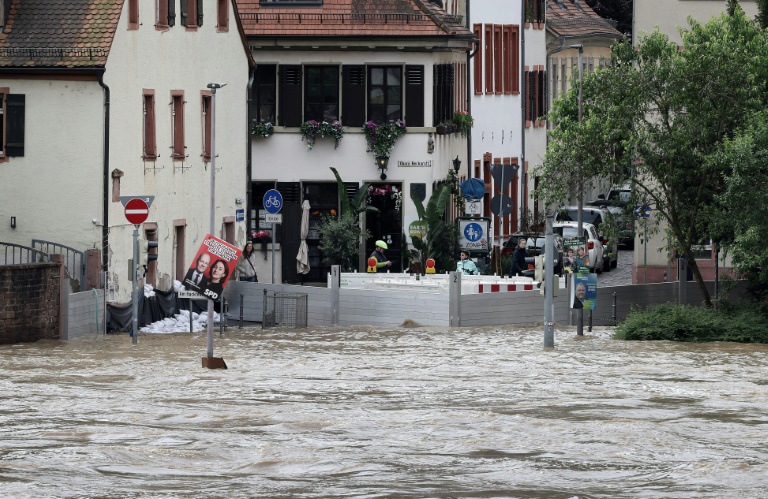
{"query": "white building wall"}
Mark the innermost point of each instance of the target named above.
(54, 190)
(498, 126)
(535, 136)
(284, 157)
(175, 59)
(648, 15)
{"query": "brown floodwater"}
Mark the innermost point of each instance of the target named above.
(383, 412)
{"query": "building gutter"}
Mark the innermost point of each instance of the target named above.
(249, 151)
(105, 180)
(523, 169)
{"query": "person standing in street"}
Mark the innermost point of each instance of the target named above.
(245, 266)
(381, 259)
(465, 265)
(518, 259)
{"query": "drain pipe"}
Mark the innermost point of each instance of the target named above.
(523, 169)
(249, 151)
(470, 55)
(105, 201)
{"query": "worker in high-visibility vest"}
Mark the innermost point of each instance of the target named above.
(381, 259)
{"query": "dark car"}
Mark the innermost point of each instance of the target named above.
(617, 206)
(534, 246)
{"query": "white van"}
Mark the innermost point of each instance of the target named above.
(594, 244)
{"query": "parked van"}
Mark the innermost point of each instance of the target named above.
(601, 219)
(593, 242)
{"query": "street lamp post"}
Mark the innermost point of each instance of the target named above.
(580, 185)
(212, 225)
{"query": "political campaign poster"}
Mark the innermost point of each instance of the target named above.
(576, 256)
(584, 291)
(212, 267)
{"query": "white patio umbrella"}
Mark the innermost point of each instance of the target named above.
(302, 258)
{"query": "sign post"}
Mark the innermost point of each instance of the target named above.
(136, 212)
(273, 203)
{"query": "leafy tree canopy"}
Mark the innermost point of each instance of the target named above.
(655, 117)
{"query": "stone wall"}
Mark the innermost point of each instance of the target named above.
(30, 302)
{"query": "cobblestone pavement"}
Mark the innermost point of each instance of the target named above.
(622, 274)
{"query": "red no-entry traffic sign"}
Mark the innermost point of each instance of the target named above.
(136, 211)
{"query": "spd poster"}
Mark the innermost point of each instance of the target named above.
(212, 267)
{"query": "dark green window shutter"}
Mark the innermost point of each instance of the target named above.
(183, 12)
(353, 95)
(414, 95)
(14, 134)
(289, 113)
(199, 12)
(172, 12)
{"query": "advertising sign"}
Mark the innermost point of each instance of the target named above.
(576, 257)
(584, 291)
(473, 234)
(212, 267)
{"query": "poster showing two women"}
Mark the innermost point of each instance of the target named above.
(213, 265)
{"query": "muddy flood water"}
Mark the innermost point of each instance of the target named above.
(398, 412)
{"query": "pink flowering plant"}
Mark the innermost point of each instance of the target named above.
(312, 129)
(381, 138)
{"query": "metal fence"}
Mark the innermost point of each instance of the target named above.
(74, 261)
(287, 310)
(16, 254)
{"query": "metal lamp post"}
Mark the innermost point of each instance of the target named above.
(580, 185)
(212, 226)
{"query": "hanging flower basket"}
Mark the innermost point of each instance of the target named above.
(381, 138)
(385, 191)
(263, 238)
(463, 122)
(262, 129)
(311, 130)
(444, 128)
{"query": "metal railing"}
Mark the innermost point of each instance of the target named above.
(16, 254)
(74, 261)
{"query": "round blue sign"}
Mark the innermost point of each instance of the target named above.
(473, 232)
(273, 201)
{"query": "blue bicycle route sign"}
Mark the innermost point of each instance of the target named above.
(273, 201)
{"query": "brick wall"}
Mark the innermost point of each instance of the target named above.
(30, 302)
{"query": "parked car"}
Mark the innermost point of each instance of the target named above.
(534, 246)
(616, 203)
(606, 225)
(593, 242)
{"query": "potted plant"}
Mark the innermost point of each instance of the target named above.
(444, 128)
(381, 138)
(311, 129)
(262, 129)
(263, 237)
(463, 122)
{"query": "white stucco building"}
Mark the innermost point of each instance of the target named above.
(116, 104)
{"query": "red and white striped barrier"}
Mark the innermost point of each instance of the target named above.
(497, 288)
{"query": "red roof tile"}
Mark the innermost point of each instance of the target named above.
(401, 18)
(59, 33)
(574, 18)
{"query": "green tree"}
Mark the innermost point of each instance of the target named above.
(655, 116)
(341, 236)
(432, 245)
(762, 13)
(746, 196)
